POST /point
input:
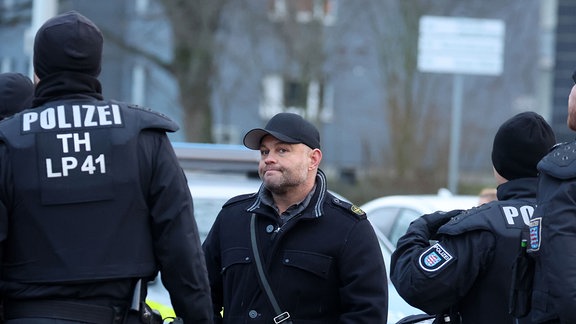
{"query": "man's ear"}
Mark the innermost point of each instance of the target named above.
(315, 158)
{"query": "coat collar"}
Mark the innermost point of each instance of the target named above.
(315, 208)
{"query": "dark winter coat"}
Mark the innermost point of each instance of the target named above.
(324, 265)
(468, 269)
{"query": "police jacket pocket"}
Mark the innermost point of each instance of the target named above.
(235, 256)
(315, 263)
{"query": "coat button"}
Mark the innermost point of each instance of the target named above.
(253, 314)
(269, 228)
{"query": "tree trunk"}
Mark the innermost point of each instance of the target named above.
(194, 26)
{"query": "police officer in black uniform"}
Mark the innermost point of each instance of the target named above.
(16, 93)
(459, 263)
(92, 198)
(320, 254)
(553, 232)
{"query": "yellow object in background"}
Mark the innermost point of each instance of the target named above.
(165, 310)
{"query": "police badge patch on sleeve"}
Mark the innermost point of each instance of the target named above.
(535, 234)
(434, 258)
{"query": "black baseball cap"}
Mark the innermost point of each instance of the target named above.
(287, 127)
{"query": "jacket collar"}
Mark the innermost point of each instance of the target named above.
(314, 209)
(522, 188)
(67, 85)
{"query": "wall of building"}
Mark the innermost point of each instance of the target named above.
(355, 125)
(565, 65)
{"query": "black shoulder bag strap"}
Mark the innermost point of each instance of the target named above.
(281, 317)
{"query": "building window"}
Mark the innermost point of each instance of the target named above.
(295, 94)
(8, 4)
(141, 7)
(303, 11)
(307, 98)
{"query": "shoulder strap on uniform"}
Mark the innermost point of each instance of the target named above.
(349, 208)
(559, 163)
(468, 220)
(238, 198)
(150, 119)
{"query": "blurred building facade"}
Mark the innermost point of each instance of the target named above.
(564, 46)
(348, 101)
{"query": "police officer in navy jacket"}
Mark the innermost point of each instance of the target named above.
(459, 263)
(16, 93)
(92, 198)
(553, 232)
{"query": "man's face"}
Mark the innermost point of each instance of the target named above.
(284, 167)
(571, 120)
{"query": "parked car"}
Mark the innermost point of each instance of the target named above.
(209, 192)
(215, 173)
(397, 307)
(392, 214)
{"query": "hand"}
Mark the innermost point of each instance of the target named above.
(439, 218)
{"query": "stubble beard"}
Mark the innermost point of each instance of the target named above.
(285, 183)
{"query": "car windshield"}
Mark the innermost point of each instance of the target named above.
(393, 214)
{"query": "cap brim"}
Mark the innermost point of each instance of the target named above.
(253, 138)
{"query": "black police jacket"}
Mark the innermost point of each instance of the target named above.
(468, 269)
(553, 237)
(92, 196)
(324, 265)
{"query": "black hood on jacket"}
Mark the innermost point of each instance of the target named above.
(16, 93)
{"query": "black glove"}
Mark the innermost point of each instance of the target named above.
(439, 218)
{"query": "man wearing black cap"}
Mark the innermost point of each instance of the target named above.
(553, 232)
(292, 251)
(458, 264)
(93, 202)
(16, 93)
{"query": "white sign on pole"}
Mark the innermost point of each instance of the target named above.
(461, 45)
